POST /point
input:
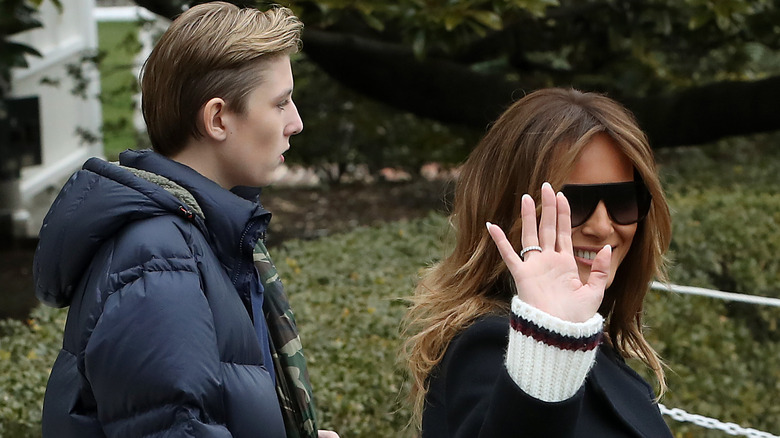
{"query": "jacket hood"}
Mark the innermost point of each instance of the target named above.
(99, 200)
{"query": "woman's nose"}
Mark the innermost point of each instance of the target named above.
(599, 224)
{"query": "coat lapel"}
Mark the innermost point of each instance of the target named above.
(627, 394)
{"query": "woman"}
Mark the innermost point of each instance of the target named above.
(532, 343)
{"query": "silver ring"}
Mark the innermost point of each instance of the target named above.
(529, 248)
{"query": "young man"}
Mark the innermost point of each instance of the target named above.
(178, 324)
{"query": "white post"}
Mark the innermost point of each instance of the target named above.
(68, 36)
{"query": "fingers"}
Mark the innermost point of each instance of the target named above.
(547, 224)
(327, 434)
(599, 271)
(554, 230)
(528, 214)
(563, 243)
(508, 253)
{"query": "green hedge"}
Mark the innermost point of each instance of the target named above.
(27, 352)
(348, 292)
(723, 357)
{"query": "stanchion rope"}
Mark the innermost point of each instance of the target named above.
(727, 296)
(700, 420)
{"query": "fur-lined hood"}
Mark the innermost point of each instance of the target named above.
(102, 198)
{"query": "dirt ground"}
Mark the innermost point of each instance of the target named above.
(297, 214)
(313, 213)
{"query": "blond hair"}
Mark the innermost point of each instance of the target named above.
(212, 50)
(539, 138)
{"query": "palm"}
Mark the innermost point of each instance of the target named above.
(548, 279)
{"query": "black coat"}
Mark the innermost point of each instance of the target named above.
(471, 395)
(159, 339)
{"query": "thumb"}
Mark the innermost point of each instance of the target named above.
(599, 271)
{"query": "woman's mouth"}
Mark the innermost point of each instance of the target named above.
(584, 254)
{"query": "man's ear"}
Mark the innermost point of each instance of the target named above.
(212, 116)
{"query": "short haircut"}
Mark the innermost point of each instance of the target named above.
(212, 50)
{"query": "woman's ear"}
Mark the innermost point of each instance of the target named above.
(212, 117)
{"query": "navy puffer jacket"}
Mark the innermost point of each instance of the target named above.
(159, 340)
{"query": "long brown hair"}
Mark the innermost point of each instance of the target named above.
(539, 138)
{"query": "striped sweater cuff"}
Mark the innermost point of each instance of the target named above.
(548, 357)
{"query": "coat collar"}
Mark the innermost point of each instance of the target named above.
(226, 212)
(234, 220)
(619, 384)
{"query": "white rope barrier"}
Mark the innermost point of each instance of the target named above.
(711, 423)
(727, 296)
(700, 420)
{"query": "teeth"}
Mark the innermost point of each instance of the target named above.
(588, 255)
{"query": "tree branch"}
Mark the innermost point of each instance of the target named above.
(706, 113)
(434, 88)
(453, 93)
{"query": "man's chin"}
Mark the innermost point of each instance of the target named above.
(278, 174)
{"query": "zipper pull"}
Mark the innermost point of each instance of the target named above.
(185, 212)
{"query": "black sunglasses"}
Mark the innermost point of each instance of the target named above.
(627, 202)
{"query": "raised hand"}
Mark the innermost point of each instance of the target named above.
(547, 279)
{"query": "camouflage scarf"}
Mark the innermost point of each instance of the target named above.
(292, 377)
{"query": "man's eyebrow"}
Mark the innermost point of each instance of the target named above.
(286, 93)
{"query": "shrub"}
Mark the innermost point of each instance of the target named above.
(348, 294)
(724, 357)
(27, 352)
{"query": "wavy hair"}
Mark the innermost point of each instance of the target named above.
(539, 138)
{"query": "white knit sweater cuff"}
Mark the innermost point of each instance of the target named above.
(548, 357)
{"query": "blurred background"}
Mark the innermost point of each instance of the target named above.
(393, 96)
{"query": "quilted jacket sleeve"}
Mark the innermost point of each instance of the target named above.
(152, 360)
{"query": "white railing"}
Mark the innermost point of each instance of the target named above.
(123, 14)
(63, 40)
